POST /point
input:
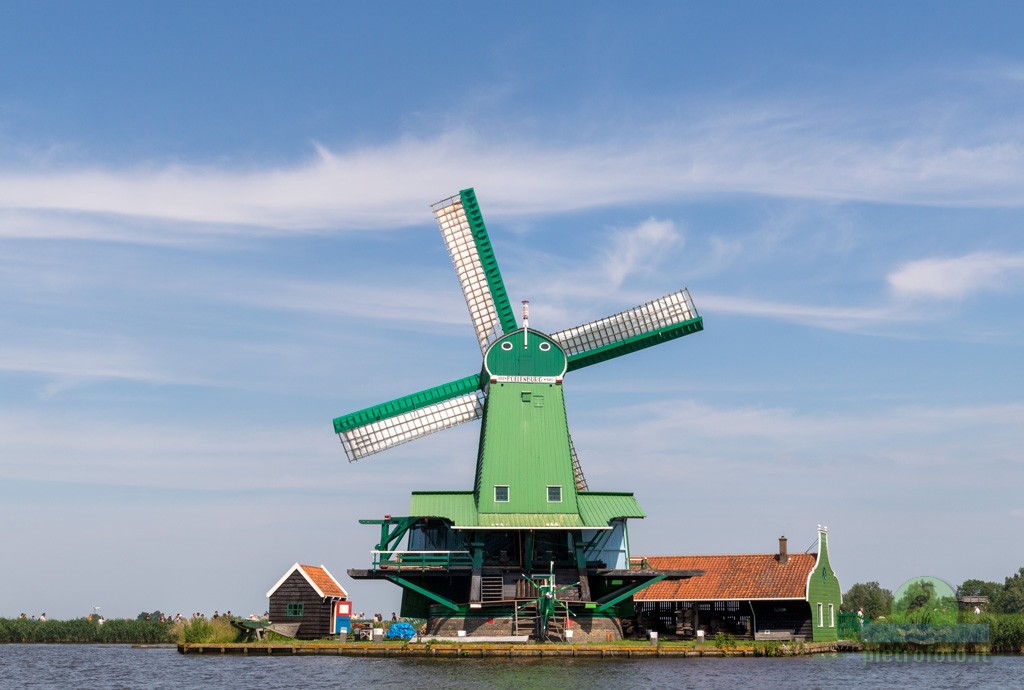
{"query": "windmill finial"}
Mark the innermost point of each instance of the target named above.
(526, 320)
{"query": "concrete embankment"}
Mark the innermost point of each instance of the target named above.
(478, 650)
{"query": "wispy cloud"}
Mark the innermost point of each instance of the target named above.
(939, 438)
(831, 317)
(957, 277)
(773, 151)
(84, 356)
(641, 248)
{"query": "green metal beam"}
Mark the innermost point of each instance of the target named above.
(388, 537)
(640, 342)
(502, 306)
(401, 581)
(408, 403)
(610, 600)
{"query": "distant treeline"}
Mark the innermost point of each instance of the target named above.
(1006, 597)
(83, 630)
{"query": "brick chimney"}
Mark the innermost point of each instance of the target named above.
(783, 555)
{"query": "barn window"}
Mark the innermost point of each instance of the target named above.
(821, 616)
(294, 609)
(554, 494)
(831, 616)
(501, 493)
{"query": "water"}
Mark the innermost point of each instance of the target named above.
(120, 666)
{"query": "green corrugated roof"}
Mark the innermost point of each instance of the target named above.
(457, 506)
(535, 520)
(598, 507)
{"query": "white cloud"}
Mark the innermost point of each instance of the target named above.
(777, 152)
(638, 249)
(83, 356)
(958, 277)
(786, 441)
(829, 317)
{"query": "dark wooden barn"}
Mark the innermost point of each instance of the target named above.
(306, 595)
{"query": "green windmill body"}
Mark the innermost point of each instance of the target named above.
(474, 560)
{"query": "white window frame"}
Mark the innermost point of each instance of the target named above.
(508, 493)
(554, 486)
(831, 615)
(821, 615)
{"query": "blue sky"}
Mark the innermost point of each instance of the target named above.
(215, 236)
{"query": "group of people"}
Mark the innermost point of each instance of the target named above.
(377, 617)
(42, 617)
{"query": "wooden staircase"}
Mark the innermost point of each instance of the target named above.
(492, 587)
(556, 628)
(525, 620)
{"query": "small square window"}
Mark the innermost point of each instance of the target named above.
(294, 609)
(501, 494)
(554, 494)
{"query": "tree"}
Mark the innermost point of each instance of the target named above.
(1011, 599)
(981, 588)
(871, 597)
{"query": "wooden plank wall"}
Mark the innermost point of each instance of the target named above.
(316, 619)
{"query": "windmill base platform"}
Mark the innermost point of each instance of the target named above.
(584, 628)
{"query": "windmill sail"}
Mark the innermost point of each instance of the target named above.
(657, 321)
(405, 419)
(465, 235)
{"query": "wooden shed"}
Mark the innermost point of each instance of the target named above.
(306, 594)
(762, 596)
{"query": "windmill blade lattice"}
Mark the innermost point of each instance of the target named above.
(465, 235)
(404, 419)
(652, 323)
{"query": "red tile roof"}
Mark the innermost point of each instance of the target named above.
(323, 581)
(744, 576)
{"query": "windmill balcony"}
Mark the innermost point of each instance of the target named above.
(400, 561)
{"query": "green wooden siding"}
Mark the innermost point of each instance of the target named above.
(823, 591)
(527, 449)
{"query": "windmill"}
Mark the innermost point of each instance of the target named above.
(469, 554)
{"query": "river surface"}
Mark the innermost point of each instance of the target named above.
(121, 666)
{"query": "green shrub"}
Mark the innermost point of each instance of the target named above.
(209, 631)
(1006, 633)
(723, 641)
